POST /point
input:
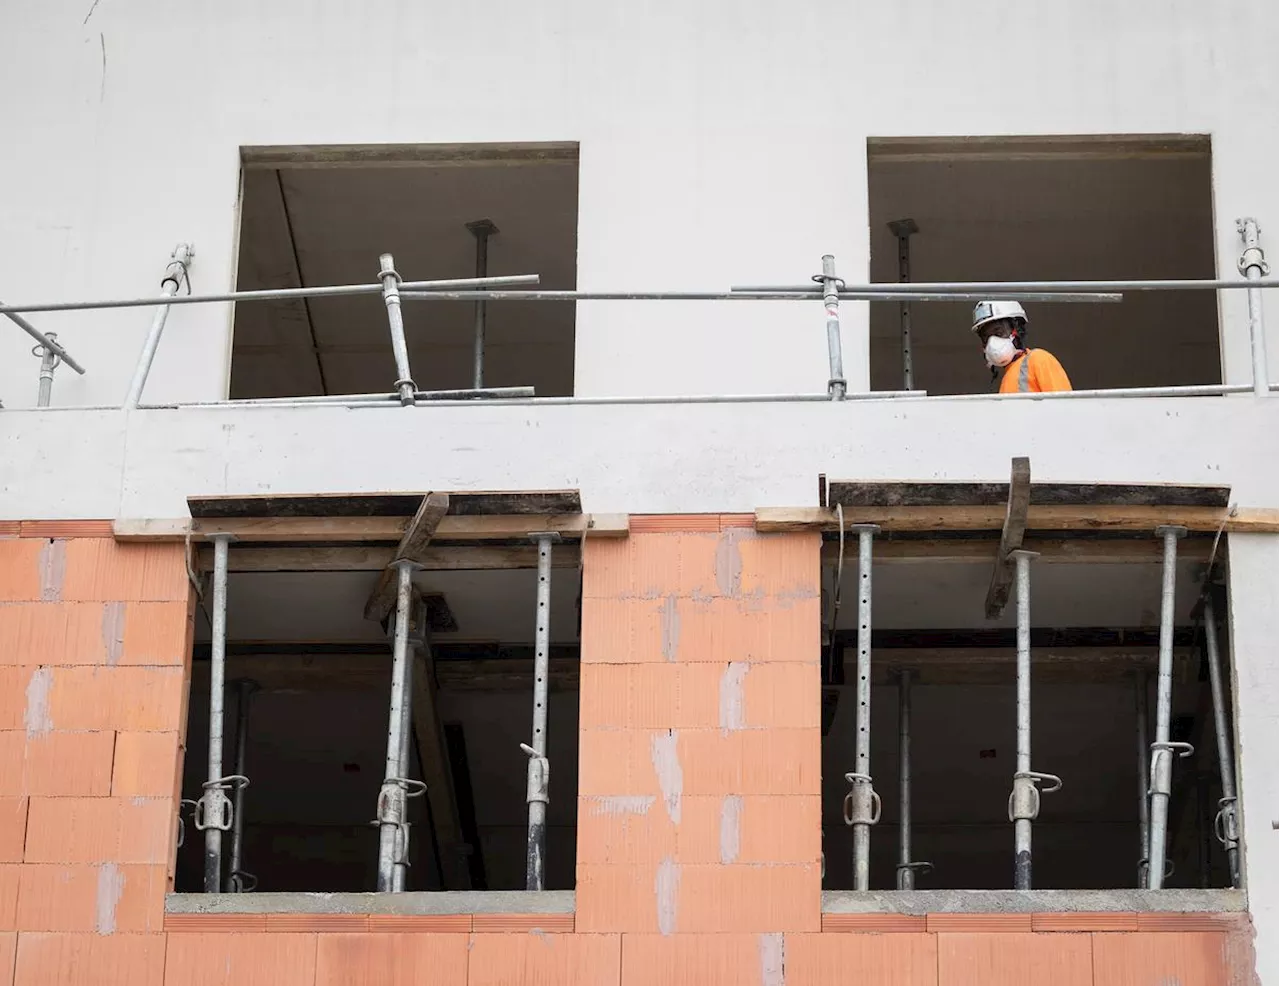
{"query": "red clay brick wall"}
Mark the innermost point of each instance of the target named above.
(94, 651)
(698, 816)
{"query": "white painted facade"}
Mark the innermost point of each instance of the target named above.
(719, 144)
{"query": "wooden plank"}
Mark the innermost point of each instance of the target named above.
(354, 530)
(428, 731)
(913, 494)
(1015, 526)
(1076, 551)
(364, 558)
(1259, 520)
(422, 528)
(462, 503)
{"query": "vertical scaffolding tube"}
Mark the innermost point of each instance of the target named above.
(1253, 265)
(239, 880)
(1162, 749)
(395, 321)
(906, 867)
(174, 275)
(391, 798)
(539, 769)
(1141, 721)
(831, 285)
(214, 803)
(1225, 822)
(481, 229)
(863, 804)
(418, 623)
(902, 229)
(1026, 789)
(48, 363)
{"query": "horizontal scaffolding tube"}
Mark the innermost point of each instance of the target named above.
(466, 394)
(273, 294)
(735, 295)
(1013, 287)
(1198, 390)
(41, 338)
(557, 401)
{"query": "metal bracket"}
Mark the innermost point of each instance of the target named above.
(1225, 825)
(1162, 764)
(1252, 256)
(915, 867)
(861, 805)
(1024, 800)
(213, 810)
(539, 777)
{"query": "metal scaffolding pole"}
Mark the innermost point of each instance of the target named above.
(906, 867)
(902, 230)
(862, 804)
(213, 814)
(393, 836)
(240, 880)
(1253, 265)
(1141, 721)
(831, 285)
(49, 360)
(539, 770)
(174, 275)
(412, 788)
(842, 294)
(1024, 802)
(1225, 822)
(481, 229)
(1162, 749)
(46, 342)
(395, 319)
(1006, 289)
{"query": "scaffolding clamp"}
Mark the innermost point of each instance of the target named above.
(1162, 764)
(393, 810)
(862, 804)
(539, 782)
(213, 810)
(182, 825)
(1024, 801)
(1225, 825)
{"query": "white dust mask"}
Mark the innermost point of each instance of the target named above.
(1000, 351)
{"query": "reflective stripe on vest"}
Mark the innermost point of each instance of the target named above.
(1022, 372)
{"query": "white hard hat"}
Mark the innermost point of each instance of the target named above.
(991, 311)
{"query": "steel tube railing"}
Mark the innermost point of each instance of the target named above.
(1005, 288)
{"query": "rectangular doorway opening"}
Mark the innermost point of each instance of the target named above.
(1094, 645)
(1047, 209)
(318, 711)
(313, 216)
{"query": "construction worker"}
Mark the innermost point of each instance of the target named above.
(1001, 327)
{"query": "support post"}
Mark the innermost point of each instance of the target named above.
(481, 229)
(417, 621)
(1024, 801)
(831, 287)
(902, 229)
(240, 880)
(1225, 822)
(393, 840)
(213, 814)
(1162, 749)
(174, 275)
(49, 360)
(395, 320)
(1253, 265)
(1142, 723)
(906, 867)
(862, 804)
(539, 770)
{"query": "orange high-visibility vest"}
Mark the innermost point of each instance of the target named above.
(1035, 371)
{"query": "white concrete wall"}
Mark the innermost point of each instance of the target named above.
(720, 143)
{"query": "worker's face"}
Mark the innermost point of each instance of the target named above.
(1001, 329)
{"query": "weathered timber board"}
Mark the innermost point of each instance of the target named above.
(464, 504)
(911, 494)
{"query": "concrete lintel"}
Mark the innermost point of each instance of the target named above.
(1030, 901)
(419, 902)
